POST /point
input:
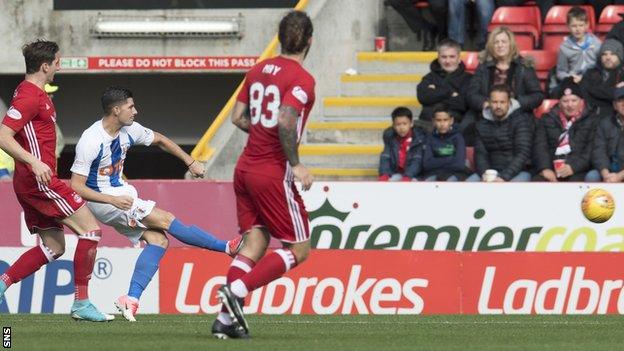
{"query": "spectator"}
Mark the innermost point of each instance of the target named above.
(578, 51)
(501, 63)
(608, 150)
(457, 19)
(401, 158)
(446, 82)
(563, 138)
(444, 155)
(504, 138)
(600, 82)
(418, 24)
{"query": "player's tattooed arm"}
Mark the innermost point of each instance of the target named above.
(240, 116)
(287, 122)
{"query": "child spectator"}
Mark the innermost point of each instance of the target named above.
(401, 158)
(579, 50)
(444, 150)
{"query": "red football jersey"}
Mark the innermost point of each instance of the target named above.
(268, 85)
(32, 116)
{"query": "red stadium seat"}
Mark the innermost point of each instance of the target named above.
(471, 61)
(544, 61)
(523, 21)
(555, 25)
(546, 106)
(609, 16)
(421, 4)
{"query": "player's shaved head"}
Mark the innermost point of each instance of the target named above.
(114, 96)
(37, 53)
(295, 31)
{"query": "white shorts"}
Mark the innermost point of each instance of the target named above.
(127, 223)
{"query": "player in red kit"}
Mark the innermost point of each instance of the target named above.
(272, 107)
(28, 134)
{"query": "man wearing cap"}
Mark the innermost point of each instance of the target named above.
(563, 138)
(60, 141)
(599, 82)
(608, 149)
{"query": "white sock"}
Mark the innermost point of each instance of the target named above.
(224, 318)
(239, 289)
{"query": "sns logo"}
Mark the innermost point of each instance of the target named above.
(14, 113)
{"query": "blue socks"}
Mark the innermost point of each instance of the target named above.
(144, 269)
(195, 236)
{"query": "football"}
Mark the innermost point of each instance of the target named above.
(598, 205)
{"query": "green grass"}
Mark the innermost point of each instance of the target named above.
(274, 333)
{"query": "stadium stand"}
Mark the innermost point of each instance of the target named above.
(609, 16)
(546, 106)
(544, 61)
(555, 27)
(524, 21)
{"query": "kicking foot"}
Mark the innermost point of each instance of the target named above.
(235, 245)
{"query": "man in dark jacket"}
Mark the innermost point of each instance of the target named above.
(447, 82)
(401, 158)
(608, 150)
(599, 82)
(444, 156)
(504, 138)
(563, 138)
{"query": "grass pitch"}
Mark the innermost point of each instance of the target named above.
(274, 333)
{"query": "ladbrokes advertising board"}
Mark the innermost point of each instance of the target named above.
(408, 282)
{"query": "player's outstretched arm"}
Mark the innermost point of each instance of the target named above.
(287, 127)
(240, 116)
(42, 172)
(79, 184)
(166, 144)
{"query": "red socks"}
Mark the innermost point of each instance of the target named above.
(240, 266)
(84, 258)
(269, 268)
(28, 263)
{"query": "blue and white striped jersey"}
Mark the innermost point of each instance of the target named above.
(100, 157)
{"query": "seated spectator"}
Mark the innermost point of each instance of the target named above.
(457, 19)
(578, 51)
(6, 166)
(501, 63)
(447, 82)
(401, 158)
(504, 138)
(608, 150)
(419, 24)
(444, 156)
(563, 138)
(600, 82)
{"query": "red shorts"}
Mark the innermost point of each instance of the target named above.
(44, 206)
(263, 201)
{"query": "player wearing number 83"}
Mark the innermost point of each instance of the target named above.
(273, 106)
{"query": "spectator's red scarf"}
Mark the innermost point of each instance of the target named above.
(404, 144)
(564, 139)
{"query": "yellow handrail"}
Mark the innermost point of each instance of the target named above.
(203, 151)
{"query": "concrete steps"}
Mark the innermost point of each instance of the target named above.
(346, 142)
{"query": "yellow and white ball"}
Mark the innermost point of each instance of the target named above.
(598, 205)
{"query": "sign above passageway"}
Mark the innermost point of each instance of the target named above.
(158, 63)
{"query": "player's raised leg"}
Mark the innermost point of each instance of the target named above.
(89, 234)
(191, 235)
(146, 266)
(52, 246)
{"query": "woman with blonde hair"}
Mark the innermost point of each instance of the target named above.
(501, 63)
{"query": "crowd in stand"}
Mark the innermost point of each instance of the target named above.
(490, 114)
(449, 16)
